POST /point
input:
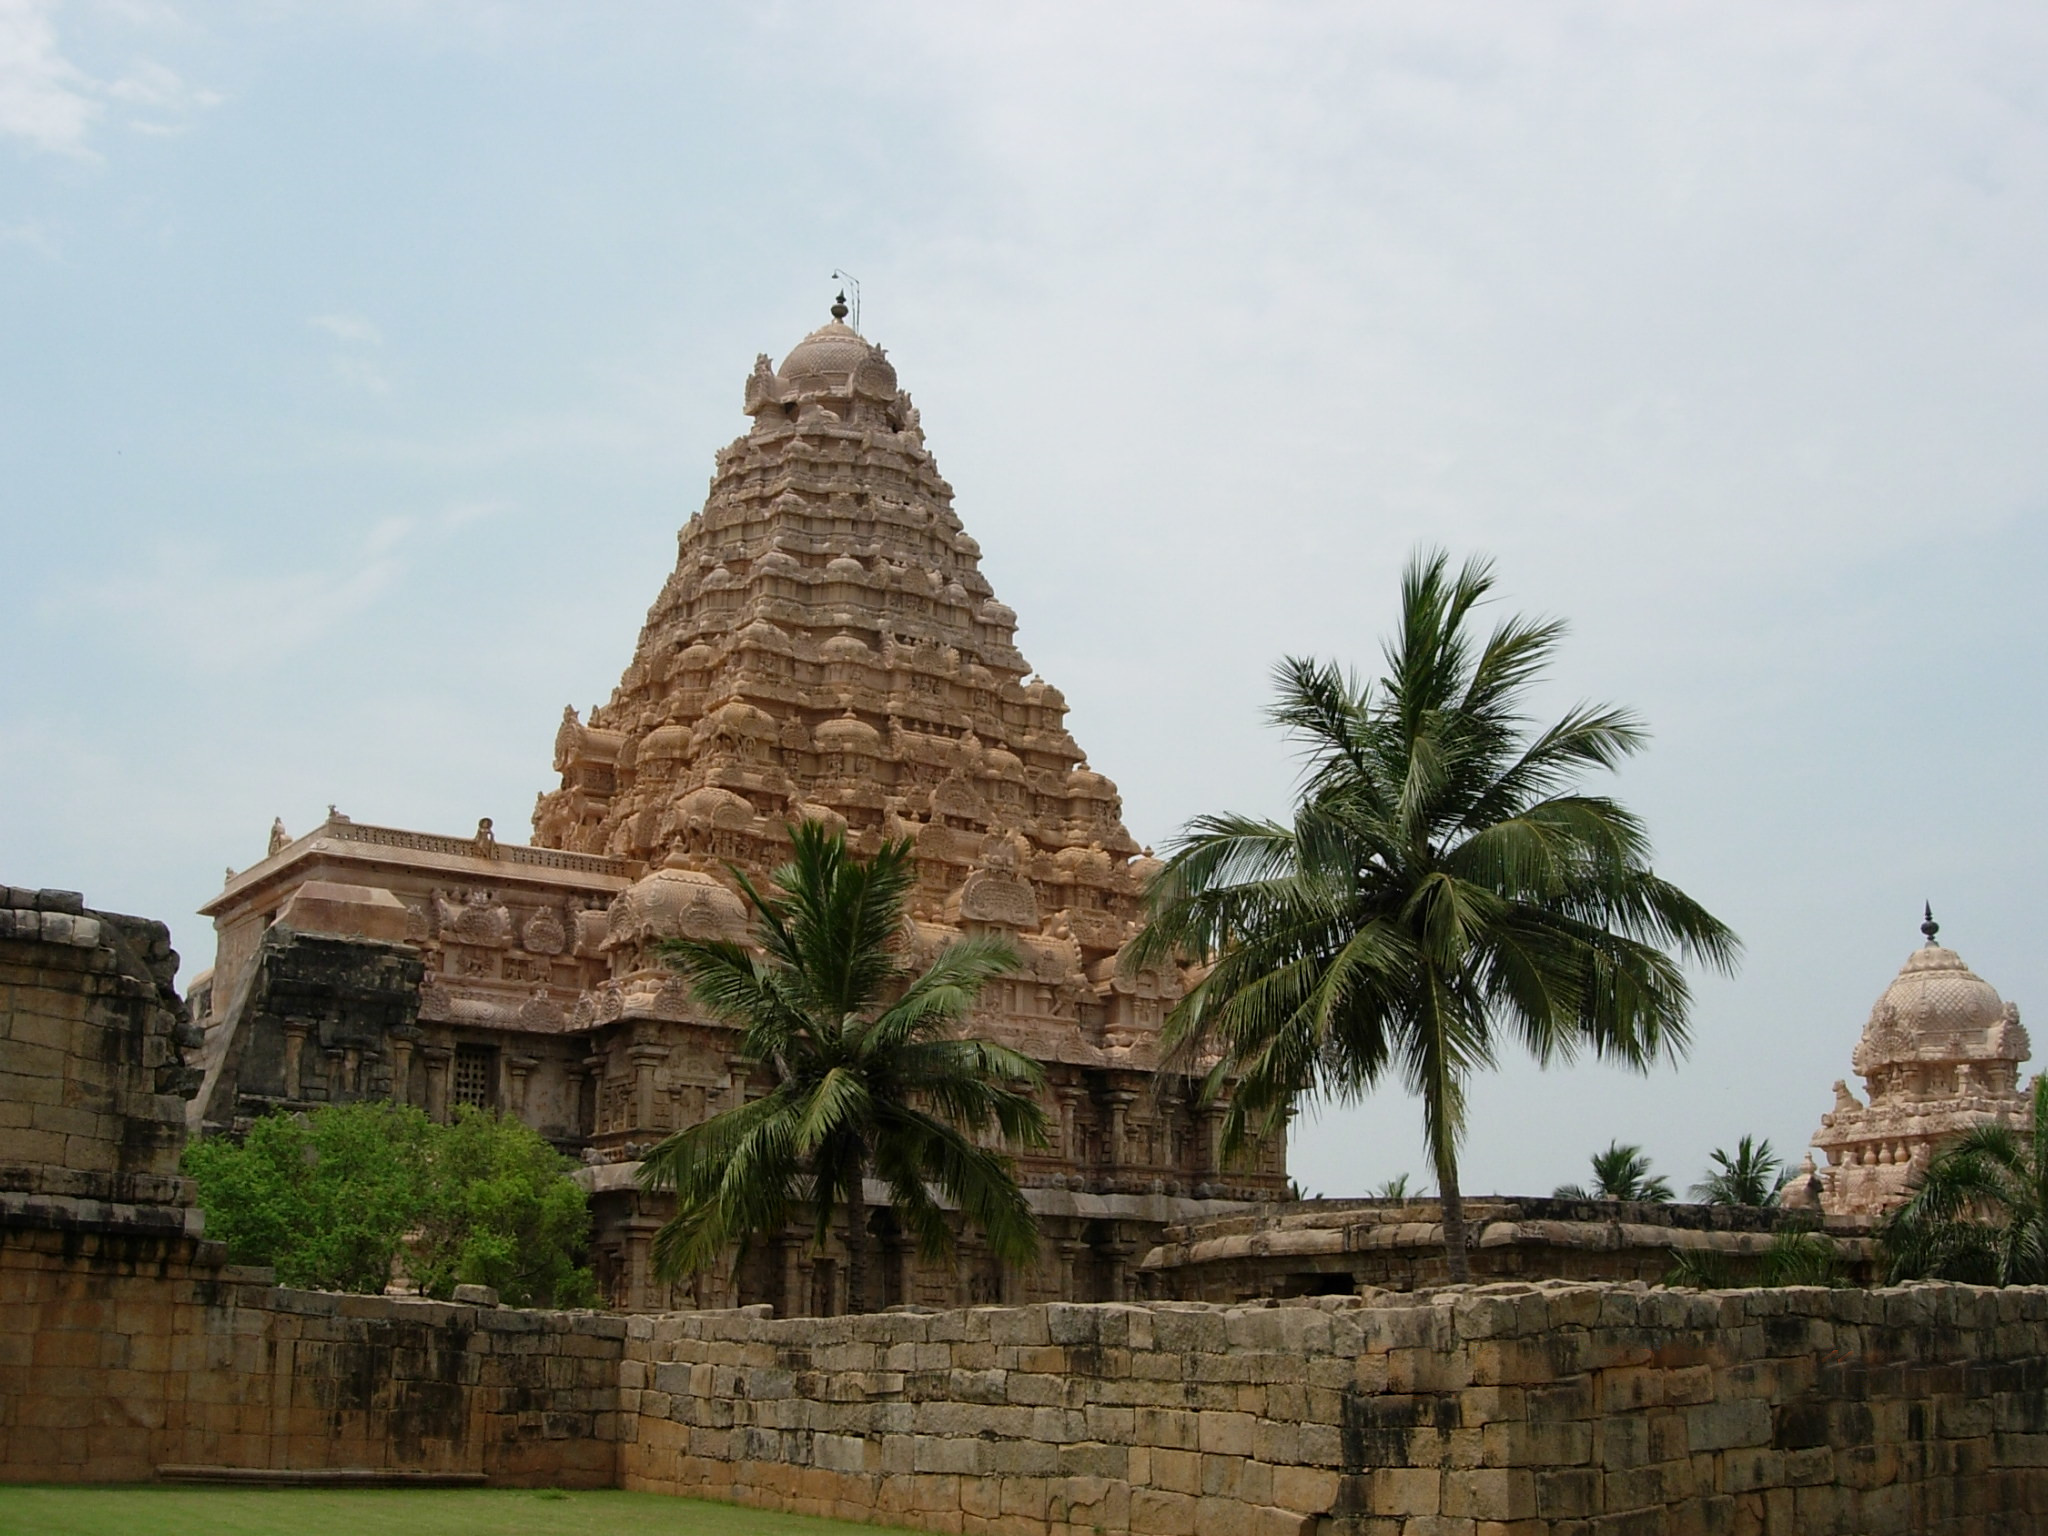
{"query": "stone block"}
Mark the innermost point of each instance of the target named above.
(1568, 1493)
(1496, 1494)
(1728, 1425)
(1158, 1512)
(1225, 1434)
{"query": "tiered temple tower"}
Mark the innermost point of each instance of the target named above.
(828, 649)
(1941, 1053)
(825, 649)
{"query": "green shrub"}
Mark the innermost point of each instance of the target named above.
(332, 1197)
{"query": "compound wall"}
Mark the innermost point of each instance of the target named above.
(1501, 1409)
(125, 1348)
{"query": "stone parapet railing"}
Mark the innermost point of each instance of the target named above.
(465, 848)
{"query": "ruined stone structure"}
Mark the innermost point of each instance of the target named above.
(93, 1042)
(1940, 1054)
(1338, 1247)
(825, 649)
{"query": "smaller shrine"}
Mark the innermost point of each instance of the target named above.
(1940, 1055)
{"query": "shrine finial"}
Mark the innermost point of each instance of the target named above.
(848, 280)
(1928, 925)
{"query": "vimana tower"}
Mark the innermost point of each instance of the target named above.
(826, 649)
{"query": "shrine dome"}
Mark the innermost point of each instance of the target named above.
(675, 903)
(1936, 994)
(833, 354)
(847, 732)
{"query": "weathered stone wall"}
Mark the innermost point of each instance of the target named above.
(126, 1346)
(1505, 1410)
(93, 1079)
(1502, 1410)
(1323, 1247)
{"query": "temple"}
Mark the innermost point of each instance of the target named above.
(1940, 1054)
(826, 649)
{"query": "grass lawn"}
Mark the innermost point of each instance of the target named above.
(175, 1511)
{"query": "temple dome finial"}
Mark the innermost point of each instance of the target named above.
(839, 310)
(1928, 925)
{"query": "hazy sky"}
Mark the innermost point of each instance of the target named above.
(360, 363)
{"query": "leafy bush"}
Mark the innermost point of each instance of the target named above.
(326, 1198)
(501, 1211)
(1794, 1258)
(330, 1198)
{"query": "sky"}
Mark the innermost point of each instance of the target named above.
(358, 364)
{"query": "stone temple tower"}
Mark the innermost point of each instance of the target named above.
(828, 649)
(1940, 1054)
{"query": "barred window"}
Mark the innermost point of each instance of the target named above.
(473, 1074)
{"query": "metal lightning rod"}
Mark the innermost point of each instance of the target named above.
(849, 278)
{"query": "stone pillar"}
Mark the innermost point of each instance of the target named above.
(337, 1073)
(645, 1059)
(593, 1072)
(1212, 1142)
(1117, 1255)
(1070, 1096)
(437, 1058)
(643, 1292)
(899, 1253)
(1120, 1101)
(1070, 1253)
(517, 1069)
(737, 1070)
(971, 1255)
(295, 1031)
(402, 1043)
(792, 1277)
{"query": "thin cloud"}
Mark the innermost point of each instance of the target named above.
(199, 609)
(350, 328)
(46, 101)
(52, 104)
(32, 235)
(349, 363)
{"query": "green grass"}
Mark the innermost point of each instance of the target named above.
(151, 1511)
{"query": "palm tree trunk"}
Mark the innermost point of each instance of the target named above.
(856, 1247)
(1453, 1200)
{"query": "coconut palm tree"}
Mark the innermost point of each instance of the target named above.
(1622, 1172)
(1980, 1209)
(1755, 1175)
(1444, 887)
(870, 1074)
